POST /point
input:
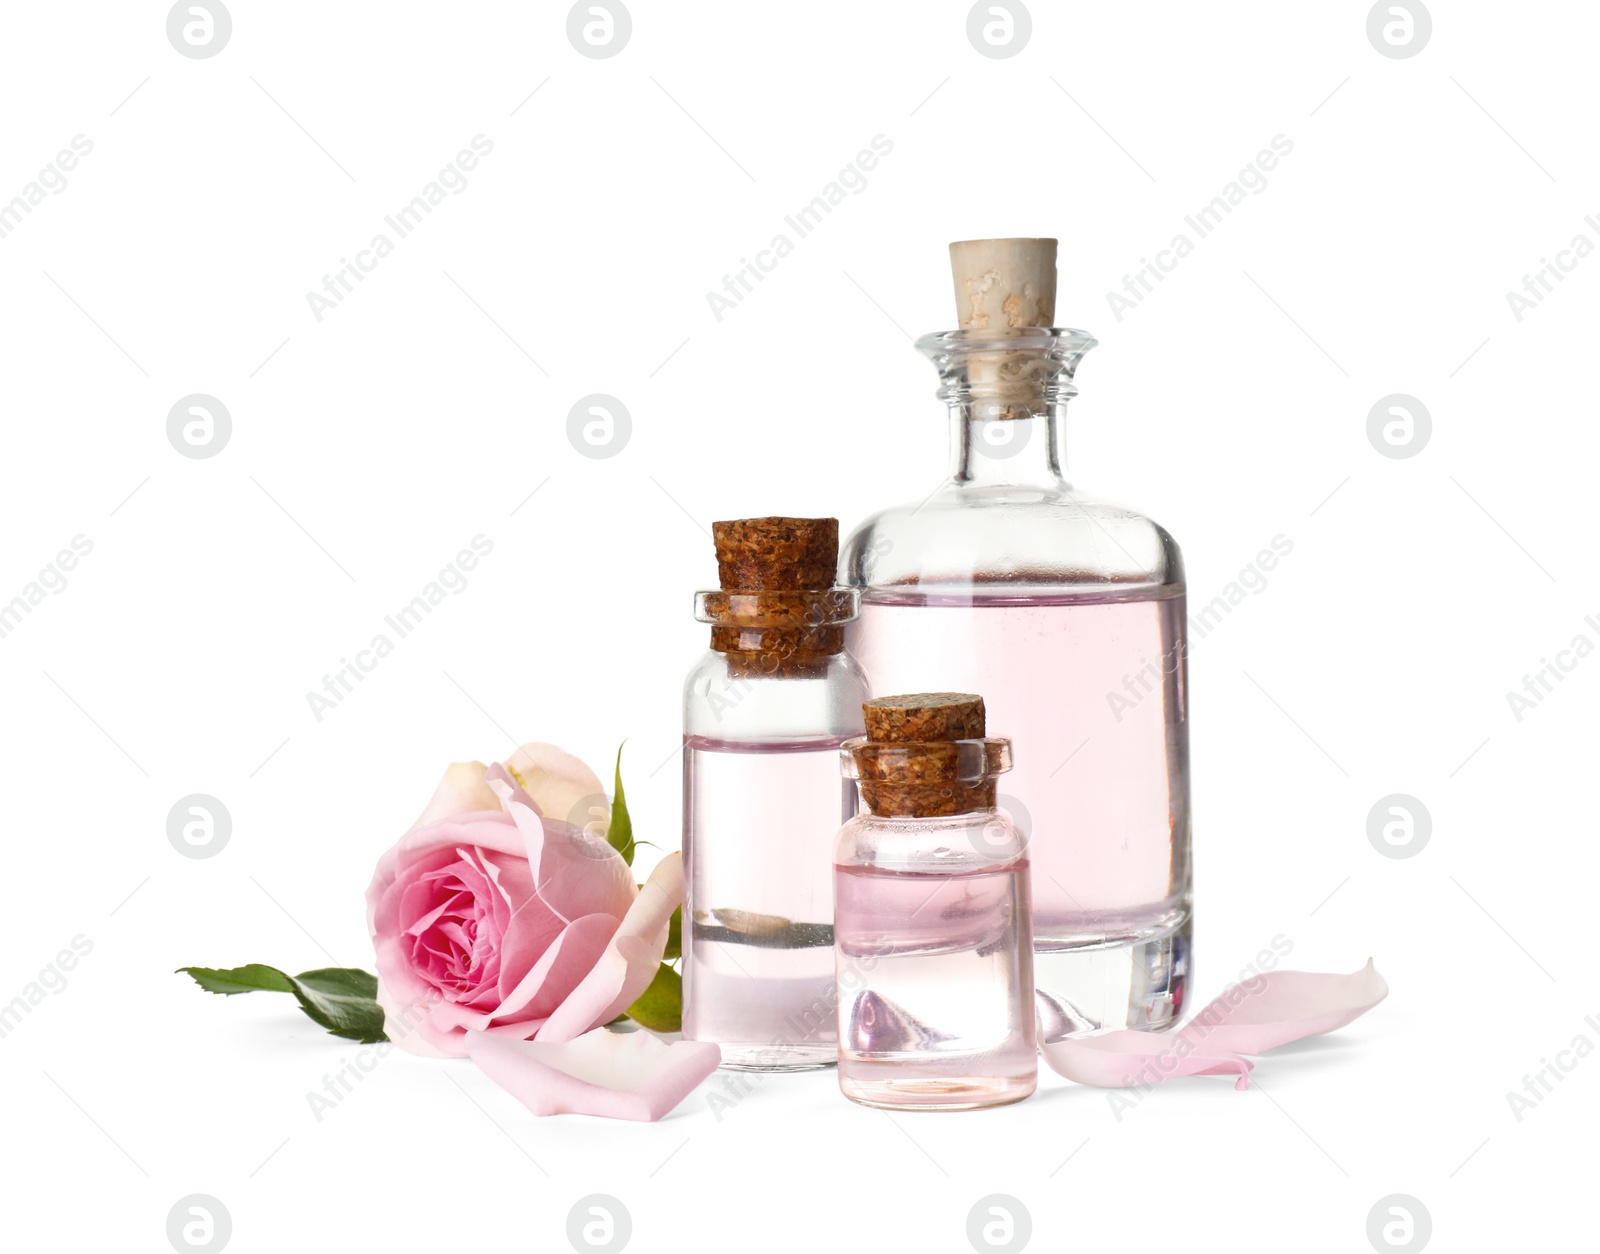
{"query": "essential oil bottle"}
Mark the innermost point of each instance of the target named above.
(1067, 612)
(933, 947)
(764, 714)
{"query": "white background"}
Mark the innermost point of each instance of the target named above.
(369, 447)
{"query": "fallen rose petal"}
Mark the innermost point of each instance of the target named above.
(1284, 1006)
(1252, 1017)
(617, 1075)
(462, 791)
(1126, 1059)
(630, 960)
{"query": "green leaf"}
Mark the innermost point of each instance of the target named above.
(246, 979)
(620, 834)
(343, 1001)
(660, 1007)
(675, 936)
(340, 999)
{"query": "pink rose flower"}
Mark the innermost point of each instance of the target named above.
(497, 914)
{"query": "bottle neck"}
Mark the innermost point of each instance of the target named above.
(926, 778)
(1019, 452)
(1007, 393)
(778, 632)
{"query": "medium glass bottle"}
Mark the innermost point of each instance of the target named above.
(1067, 613)
(764, 714)
(933, 948)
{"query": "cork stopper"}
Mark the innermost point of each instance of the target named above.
(925, 716)
(776, 554)
(1004, 283)
(778, 613)
(1006, 289)
(926, 755)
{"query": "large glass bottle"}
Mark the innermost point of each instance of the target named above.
(1067, 613)
(764, 714)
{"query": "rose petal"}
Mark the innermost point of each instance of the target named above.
(496, 775)
(560, 786)
(1126, 1059)
(1283, 1006)
(580, 874)
(530, 932)
(560, 969)
(617, 1075)
(575, 874)
(630, 960)
(1259, 1014)
(461, 791)
(491, 830)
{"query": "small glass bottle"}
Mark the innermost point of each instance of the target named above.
(764, 714)
(933, 945)
(1067, 612)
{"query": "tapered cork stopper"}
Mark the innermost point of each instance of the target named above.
(1005, 288)
(776, 554)
(911, 765)
(1004, 283)
(925, 716)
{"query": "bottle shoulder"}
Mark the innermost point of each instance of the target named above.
(725, 701)
(1015, 539)
(975, 842)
